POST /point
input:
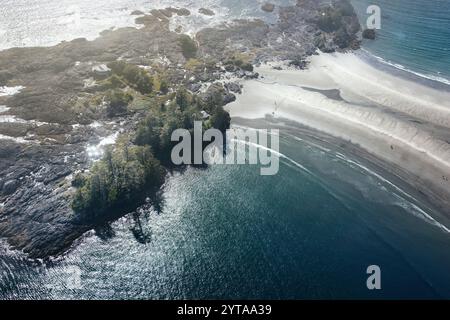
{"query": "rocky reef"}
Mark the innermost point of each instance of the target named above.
(299, 32)
(206, 12)
(60, 120)
(369, 34)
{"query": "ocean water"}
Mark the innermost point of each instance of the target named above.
(414, 36)
(226, 232)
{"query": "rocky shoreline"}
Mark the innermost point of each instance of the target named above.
(48, 128)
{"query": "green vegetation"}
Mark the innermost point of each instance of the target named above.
(163, 86)
(160, 83)
(345, 8)
(124, 80)
(193, 64)
(117, 102)
(117, 181)
(188, 46)
(220, 119)
(134, 168)
(330, 18)
(183, 99)
(114, 82)
(342, 39)
(240, 63)
(132, 75)
(247, 67)
(156, 129)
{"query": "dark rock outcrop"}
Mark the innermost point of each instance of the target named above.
(369, 34)
(195, 87)
(206, 12)
(234, 87)
(183, 12)
(300, 31)
(217, 89)
(137, 13)
(268, 7)
(10, 187)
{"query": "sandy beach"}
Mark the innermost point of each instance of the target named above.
(403, 123)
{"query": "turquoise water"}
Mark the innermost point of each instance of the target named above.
(226, 232)
(414, 35)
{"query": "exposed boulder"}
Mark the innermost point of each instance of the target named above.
(101, 71)
(206, 12)
(166, 12)
(248, 75)
(299, 63)
(228, 98)
(10, 187)
(5, 77)
(159, 14)
(195, 87)
(268, 7)
(369, 34)
(188, 46)
(205, 115)
(183, 12)
(146, 20)
(234, 87)
(218, 90)
(137, 13)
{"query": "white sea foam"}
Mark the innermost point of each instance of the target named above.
(111, 139)
(11, 119)
(95, 124)
(95, 152)
(274, 152)
(10, 91)
(403, 68)
(4, 109)
(54, 21)
(406, 200)
(15, 139)
(14, 119)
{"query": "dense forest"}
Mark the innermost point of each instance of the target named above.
(136, 166)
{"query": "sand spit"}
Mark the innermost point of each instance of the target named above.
(401, 122)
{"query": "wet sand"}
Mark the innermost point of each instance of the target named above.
(401, 124)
